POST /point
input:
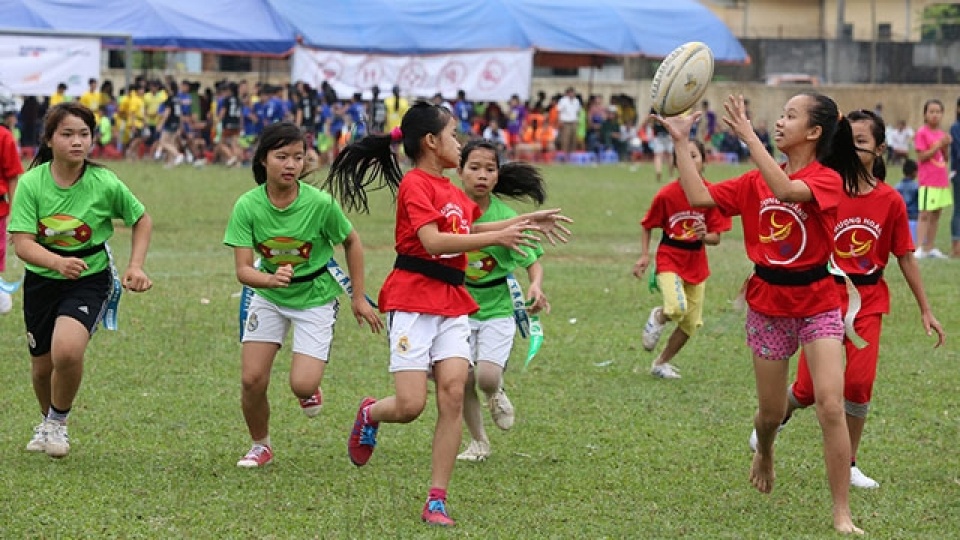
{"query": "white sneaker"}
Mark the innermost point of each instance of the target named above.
(6, 303)
(665, 371)
(178, 160)
(936, 254)
(476, 451)
(57, 441)
(39, 442)
(860, 480)
(652, 330)
(919, 253)
(501, 410)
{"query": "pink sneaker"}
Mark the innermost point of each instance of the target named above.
(363, 436)
(258, 456)
(312, 405)
(435, 513)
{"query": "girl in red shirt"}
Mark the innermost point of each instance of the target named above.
(681, 265)
(788, 214)
(870, 227)
(424, 296)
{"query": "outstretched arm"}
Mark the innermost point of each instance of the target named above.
(911, 273)
(516, 235)
(690, 180)
(549, 222)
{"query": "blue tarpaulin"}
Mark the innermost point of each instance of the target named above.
(225, 26)
(650, 28)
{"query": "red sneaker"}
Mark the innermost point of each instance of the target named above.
(363, 436)
(258, 456)
(435, 513)
(312, 405)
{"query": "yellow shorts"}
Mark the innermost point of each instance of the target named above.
(682, 301)
(931, 199)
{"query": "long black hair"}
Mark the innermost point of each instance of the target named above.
(51, 122)
(879, 132)
(370, 163)
(516, 180)
(274, 136)
(835, 148)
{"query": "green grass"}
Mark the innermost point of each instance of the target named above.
(597, 452)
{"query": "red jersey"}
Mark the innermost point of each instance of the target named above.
(10, 167)
(786, 236)
(671, 212)
(422, 199)
(869, 229)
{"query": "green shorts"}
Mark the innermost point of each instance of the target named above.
(931, 199)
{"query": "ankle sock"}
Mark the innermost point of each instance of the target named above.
(57, 415)
(263, 442)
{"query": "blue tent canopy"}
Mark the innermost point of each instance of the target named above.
(226, 26)
(649, 28)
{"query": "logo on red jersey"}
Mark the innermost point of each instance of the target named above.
(852, 247)
(782, 228)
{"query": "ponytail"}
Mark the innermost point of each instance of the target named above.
(348, 178)
(835, 149)
(879, 131)
(519, 180)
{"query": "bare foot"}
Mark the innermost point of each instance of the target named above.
(843, 523)
(761, 473)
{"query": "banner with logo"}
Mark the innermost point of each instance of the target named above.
(484, 76)
(35, 65)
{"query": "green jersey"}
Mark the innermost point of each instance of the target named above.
(302, 235)
(492, 264)
(72, 218)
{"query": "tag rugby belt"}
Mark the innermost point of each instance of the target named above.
(696, 245)
(78, 253)
(311, 276)
(776, 276)
(430, 269)
(863, 279)
(488, 284)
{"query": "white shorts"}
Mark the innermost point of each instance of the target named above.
(417, 340)
(662, 144)
(492, 340)
(312, 328)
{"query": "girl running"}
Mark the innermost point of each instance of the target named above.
(292, 227)
(870, 227)
(424, 295)
(61, 220)
(681, 265)
(789, 213)
(493, 327)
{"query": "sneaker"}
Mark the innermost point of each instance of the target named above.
(501, 410)
(476, 451)
(435, 513)
(258, 456)
(57, 443)
(6, 303)
(665, 371)
(363, 436)
(935, 254)
(178, 160)
(652, 330)
(39, 442)
(312, 405)
(920, 253)
(860, 480)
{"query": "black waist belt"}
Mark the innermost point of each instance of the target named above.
(311, 276)
(775, 276)
(696, 245)
(862, 279)
(430, 269)
(487, 285)
(78, 253)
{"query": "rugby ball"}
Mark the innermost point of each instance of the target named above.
(682, 78)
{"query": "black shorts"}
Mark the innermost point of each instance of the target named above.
(45, 299)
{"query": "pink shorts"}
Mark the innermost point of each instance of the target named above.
(778, 338)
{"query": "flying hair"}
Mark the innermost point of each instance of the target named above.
(835, 148)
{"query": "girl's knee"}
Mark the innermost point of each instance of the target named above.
(254, 383)
(409, 409)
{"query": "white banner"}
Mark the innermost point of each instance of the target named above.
(484, 76)
(35, 65)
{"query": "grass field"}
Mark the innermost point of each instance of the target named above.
(598, 451)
